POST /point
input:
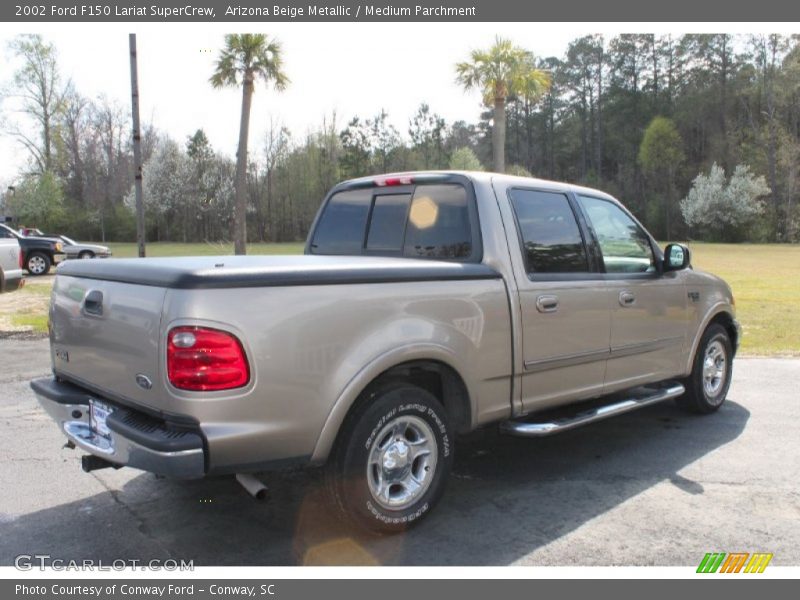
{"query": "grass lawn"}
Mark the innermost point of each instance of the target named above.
(765, 281)
(26, 310)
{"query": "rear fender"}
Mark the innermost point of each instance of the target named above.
(367, 375)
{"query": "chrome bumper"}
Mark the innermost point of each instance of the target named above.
(14, 280)
(68, 406)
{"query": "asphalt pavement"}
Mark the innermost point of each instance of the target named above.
(653, 487)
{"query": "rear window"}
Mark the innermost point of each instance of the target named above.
(388, 223)
(341, 226)
(425, 221)
(438, 223)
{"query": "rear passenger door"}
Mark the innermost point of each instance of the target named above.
(563, 301)
(648, 308)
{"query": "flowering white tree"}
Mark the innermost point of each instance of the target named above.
(179, 199)
(167, 177)
(167, 187)
(721, 207)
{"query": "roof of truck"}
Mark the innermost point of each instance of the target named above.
(482, 176)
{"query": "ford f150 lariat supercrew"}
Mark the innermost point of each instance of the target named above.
(426, 305)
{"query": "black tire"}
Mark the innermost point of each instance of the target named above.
(421, 426)
(38, 263)
(86, 254)
(702, 396)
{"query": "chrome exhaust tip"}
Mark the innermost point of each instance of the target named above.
(90, 462)
(253, 486)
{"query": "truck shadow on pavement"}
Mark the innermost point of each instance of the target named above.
(506, 498)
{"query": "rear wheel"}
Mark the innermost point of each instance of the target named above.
(707, 386)
(38, 263)
(391, 463)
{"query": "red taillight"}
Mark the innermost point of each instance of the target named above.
(202, 359)
(21, 259)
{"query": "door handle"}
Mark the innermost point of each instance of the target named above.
(547, 303)
(627, 298)
(93, 303)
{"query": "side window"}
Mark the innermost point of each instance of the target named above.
(438, 223)
(552, 241)
(625, 246)
(342, 224)
(388, 223)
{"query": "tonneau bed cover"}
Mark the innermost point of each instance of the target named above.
(271, 271)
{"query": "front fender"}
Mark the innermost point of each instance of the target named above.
(721, 307)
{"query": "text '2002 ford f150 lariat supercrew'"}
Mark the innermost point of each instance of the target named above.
(426, 305)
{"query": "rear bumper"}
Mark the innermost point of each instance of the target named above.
(13, 280)
(135, 440)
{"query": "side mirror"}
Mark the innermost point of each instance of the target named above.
(676, 257)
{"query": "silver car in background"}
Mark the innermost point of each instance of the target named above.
(75, 249)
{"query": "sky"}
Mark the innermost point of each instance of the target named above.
(350, 68)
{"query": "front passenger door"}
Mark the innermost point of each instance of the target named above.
(648, 309)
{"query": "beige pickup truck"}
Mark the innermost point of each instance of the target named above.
(427, 305)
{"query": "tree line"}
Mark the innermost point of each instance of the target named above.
(699, 135)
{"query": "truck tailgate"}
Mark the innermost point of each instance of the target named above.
(105, 334)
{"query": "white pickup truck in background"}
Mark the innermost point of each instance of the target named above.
(11, 276)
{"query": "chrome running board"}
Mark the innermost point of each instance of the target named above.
(640, 397)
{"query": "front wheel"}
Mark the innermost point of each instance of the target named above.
(38, 263)
(707, 386)
(391, 463)
(86, 254)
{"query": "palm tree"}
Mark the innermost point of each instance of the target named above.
(245, 58)
(501, 72)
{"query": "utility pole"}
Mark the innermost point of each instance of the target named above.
(137, 147)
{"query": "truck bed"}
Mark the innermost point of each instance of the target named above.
(312, 328)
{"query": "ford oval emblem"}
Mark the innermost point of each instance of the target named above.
(143, 381)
